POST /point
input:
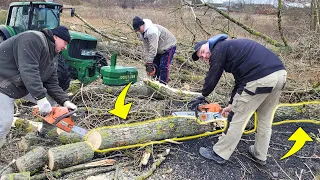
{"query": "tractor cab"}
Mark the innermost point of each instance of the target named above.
(33, 17)
(23, 16)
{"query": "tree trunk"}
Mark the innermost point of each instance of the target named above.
(33, 161)
(69, 155)
(135, 133)
(315, 17)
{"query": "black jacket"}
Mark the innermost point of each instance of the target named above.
(27, 65)
(247, 60)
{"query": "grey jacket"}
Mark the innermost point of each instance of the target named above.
(156, 39)
(27, 65)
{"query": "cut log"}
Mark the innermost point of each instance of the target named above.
(69, 155)
(67, 138)
(298, 111)
(17, 121)
(160, 129)
(25, 126)
(32, 161)
(72, 169)
(16, 176)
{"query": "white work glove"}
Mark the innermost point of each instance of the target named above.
(44, 106)
(69, 105)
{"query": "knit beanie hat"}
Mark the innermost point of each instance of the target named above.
(136, 23)
(62, 32)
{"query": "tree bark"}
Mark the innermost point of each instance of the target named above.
(68, 138)
(148, 88)
(70, 154)
(33, 161)
(285, 42)
(160, 129)
(16, 176)
(62, 172)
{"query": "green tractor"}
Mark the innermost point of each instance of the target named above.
(80, 60)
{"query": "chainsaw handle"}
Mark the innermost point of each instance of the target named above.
(64, 116)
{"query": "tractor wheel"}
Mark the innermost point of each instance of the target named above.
(2, 37)
(63, 73)
(101, 61)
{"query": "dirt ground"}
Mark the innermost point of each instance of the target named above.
(185, 163)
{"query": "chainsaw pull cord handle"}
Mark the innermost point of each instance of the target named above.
(63, 116)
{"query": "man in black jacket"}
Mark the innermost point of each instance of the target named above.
(27, 65)
(259, 79)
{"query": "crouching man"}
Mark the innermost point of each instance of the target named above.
(27, 65)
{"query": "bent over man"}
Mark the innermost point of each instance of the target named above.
(259, 79)
(27, 65)
(160, 46)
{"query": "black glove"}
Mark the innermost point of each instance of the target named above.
(149, 67)
(192, 105)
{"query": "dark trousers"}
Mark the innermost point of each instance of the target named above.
(162, 63)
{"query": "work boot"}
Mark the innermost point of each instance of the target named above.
(252, 154)
(210, 154)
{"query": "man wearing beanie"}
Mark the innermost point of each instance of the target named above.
(160, 46)
(27, 65)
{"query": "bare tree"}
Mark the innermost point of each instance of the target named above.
(315, 18)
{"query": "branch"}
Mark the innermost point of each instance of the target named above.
(245, 27)
(99, 32)
(7, 166)
(279, 23)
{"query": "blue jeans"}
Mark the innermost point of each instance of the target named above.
(6, 116)
(162, 63)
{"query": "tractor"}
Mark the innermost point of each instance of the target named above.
(80, 60)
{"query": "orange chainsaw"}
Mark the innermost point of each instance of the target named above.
(206, 113)
(62, 118)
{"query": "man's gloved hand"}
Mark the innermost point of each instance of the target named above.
(151, 70)
(44, 106)
(192, 105)
(69, 105)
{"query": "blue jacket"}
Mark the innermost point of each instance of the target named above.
(247, 60)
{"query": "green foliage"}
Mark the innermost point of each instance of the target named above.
(3, 16)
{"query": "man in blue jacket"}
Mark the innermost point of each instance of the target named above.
(259, 77)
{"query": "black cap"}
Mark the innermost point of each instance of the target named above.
(62, 32)
(196, 49)
(136, 23)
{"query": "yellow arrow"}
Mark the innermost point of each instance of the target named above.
(300, 136)
(120, 109)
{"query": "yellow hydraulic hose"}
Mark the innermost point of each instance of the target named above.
(209, 133)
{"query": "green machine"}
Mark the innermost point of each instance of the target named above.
(80, 60)
(118, 75)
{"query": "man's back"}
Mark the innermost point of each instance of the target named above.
(248, 60)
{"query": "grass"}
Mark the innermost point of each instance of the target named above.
(3, 16)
